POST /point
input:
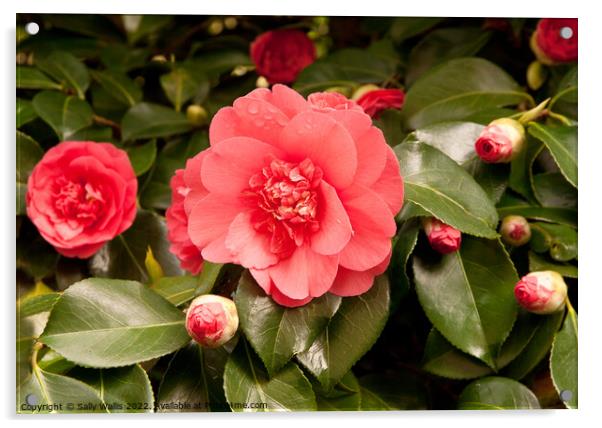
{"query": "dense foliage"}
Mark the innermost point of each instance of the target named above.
(107, 332)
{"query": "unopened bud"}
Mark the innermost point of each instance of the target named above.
(500, 141)
(515, 230)
(343, 90)
(541, 292)
(196, 115)
(230, 23)
(442, 237)
(216, 27)
(363, 90)
(212, 320)
(262, 82)
(159, 58)
(536, 75)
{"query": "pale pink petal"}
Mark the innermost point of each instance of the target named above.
(259, 119)
(251, 249)
(216, 252)
(263, 279)
(328, 144)
(225, 124)
(353, 283)
(372, 150)
(210, 219)
(288, 100)
(335, 228)
(389, 186)
(283, 300)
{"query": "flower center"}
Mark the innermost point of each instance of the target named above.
(287, 203)
(78, 201)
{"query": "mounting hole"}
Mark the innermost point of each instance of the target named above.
(32, 28)
(566, 395)
(566, 32)
(31, 399)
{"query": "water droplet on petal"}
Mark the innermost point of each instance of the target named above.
(253, 108)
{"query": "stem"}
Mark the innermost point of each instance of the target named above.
(99, 120)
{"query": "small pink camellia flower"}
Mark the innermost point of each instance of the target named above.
(177, 220)
(515, 230)
(280, 55)
(555, 40)
(442, 237)
(500, 141)
(81, 195)
(303, 193)
(541, 292)
(212, 320)
(375, 101)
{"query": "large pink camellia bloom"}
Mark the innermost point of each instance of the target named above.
(303, 193)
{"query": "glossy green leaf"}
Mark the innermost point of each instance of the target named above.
(119, 85)
(28, 330)
(456, 89)
(538, 262)
(563, 361)
(25, 112)
(560, 240)
(93, 133)
(442, 187)
(247, 382)
(111, 323)
(66, 69)
(54, 362)
(195, 379)
(146, 120)
(176, 289)
(123, 257)
(562, 143)
(87, 24)
(32, 78)
(180, 85)
(352, 331)
(497, 393)
(552, 190)
(521, 169)
(469, 296)
(142, 156)
(276, 332)
(121, 57)
(65, 114)
(403, 28)
(140, 26)
(215, 63)
(31, 305)
(402, 248)
(566, 98)
(344, 397)
(122, 390)
(393, 391)
(389, 121)
(556, 215)
(29, 154)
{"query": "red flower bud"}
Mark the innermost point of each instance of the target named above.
(555, 40)
(541, 292)
(375, 101)
(280, 55)
(500, 141)
(212, 320)
(442, 237)
(515, 230)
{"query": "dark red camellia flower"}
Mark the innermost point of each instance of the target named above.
(280, 55)
(556, 40)
(81, 195)
(374, 102)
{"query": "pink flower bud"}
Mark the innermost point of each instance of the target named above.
(442, 237)
(515, 230)
(212, 320)
(541, 292)
(500, 141)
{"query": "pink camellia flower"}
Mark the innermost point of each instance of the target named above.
(375, 101)
(177, 224)
(280, 55)
(515, 230)
(81, 195)
(555, 40)
(500, 141)
(212, 320)
(303, 193)
(541, 292)
(442, 237)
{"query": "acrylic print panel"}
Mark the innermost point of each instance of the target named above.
(266, 213)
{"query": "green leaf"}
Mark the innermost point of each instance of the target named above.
(458, 88)
(112, 323)
(345, 67)
(389, 121)
(442, 187)
(180, 85)
(352, 331)
(402, 248)
(539, 262)
(31, 305)
(65, 114)
(538, 347)
(119, 85)
(29, 154)
(562, 143)
(32, 78)
(67, 69)
(566, 98)
(276, 332)
(512, 206)
(93, 133)
(25, 112)
(444, 44)
(29, 329)
(122, 390)
(469, 296)
(194, 377)
(97, 26)
(345, 397)
(246, 381)
(393, 391)
(123, 58)
(563, 361)
(146, 120)
(54, 362)
(521, 169)
(561, 240)
(497, 393)
(215, 63)
(552, 190)
(406, 27)
(142, 156)
(123, 257)
(139, 26)
(176, 289)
